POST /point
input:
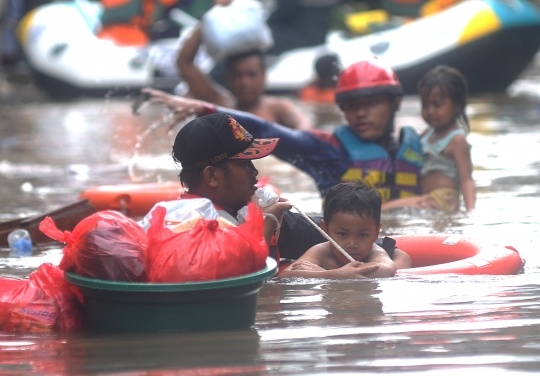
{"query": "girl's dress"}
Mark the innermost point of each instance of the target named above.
(446, 198)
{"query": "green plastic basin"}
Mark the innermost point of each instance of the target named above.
(129, 307)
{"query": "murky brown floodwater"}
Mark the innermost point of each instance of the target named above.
(50, 152)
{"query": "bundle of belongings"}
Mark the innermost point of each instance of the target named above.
(178, 241)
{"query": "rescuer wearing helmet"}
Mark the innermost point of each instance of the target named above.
(369, 94)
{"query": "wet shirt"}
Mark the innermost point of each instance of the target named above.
(434, 160)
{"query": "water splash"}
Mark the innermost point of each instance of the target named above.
(146, 160)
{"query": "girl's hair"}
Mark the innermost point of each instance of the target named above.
(452, 84)
(354, 197)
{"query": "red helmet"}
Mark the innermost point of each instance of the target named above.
(368, 77)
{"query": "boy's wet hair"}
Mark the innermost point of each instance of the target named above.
(452, 84)
(356, 198)
(240, 56)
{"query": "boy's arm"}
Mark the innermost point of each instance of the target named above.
(352, 270)
(402, 259)
(387, 267)
(310, 265)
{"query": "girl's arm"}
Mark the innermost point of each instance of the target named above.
(461, 153)
(387, 267)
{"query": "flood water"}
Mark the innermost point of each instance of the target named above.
(50, 152)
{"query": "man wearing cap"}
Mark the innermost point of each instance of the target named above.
(369, 94)
(216, 155)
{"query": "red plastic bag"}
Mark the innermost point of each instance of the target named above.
(207, 251)
(106, 245)
(43, 303)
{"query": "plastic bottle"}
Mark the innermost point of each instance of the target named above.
(20, 243)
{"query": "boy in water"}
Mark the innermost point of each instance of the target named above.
(352, 218)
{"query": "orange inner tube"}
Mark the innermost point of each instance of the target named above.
(132, 199)
(460, 254)
(136, 200)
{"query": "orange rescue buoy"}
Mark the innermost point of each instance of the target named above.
(458, 254)
(132, 199)
(137, 199)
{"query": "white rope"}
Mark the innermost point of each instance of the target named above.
(324, 234)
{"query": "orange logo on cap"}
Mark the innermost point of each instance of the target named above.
(239, 132)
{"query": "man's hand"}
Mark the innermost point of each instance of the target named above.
(276, 209)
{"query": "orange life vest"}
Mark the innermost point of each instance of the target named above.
(127, 22)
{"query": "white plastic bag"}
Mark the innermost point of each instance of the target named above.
(235, 28)
(182, 210)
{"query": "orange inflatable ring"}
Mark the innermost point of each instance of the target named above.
(459, 254)
(136, 200)
(453, 254)
(132, 199)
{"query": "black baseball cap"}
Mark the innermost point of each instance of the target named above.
(213, 138)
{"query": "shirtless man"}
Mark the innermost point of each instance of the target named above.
(245, 74)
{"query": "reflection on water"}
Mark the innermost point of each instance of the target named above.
(51, 152)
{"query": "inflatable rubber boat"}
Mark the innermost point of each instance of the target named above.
(67, 58)
(490, 41)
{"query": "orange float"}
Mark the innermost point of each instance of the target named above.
(137, 199)
(132, 199)
(458, 254)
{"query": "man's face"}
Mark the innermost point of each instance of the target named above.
(238, 184)
(370, 117)
(246, 80)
